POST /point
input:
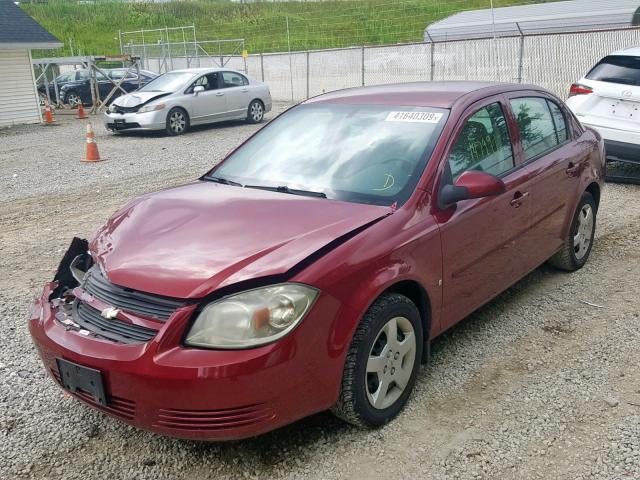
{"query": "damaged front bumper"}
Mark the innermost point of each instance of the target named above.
(156, 120)
(158, 384)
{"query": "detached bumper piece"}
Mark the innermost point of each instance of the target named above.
(122, 125)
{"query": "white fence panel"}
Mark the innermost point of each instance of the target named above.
(334, 69)
(398, 63)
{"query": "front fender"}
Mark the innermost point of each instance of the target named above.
(357, 272)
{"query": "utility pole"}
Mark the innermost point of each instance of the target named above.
(290, 61)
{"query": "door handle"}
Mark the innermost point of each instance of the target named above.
(518, 198)
(219, 94)
(573, 169)
(245, 89)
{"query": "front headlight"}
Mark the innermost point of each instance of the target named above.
(252, 318)
(151, 108)
(111, 108)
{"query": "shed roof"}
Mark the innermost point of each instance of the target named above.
(19, 30)
(552, 17)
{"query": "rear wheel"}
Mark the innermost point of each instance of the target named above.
(382, 362)
(255, 113)
(177, 121)
(577, 247)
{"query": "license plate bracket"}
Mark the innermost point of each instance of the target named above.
(76, 377)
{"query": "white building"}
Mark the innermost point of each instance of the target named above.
(19, 34)
(535, 18)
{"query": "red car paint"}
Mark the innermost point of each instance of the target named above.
(203, 240)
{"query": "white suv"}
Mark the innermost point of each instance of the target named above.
(608, 100)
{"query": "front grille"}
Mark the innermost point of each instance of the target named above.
(117, 406)
(145, 304)
(112, 329)
(213, 419)
(120, 109)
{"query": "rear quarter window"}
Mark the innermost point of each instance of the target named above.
(617, 69)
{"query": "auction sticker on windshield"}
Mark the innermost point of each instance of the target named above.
(420, 117)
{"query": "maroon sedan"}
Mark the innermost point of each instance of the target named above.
(311, 269)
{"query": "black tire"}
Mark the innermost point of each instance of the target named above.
(177, 121)
(354, 404)
(573, 257)
(255, 112)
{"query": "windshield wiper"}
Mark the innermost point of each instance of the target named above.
(223, 181)
(292, 191)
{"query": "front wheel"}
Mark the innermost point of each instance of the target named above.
(177, 121)
(73, 99)
(255, 113)
(382, 362)
(577, 247)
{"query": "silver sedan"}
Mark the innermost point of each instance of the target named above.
(193, 96)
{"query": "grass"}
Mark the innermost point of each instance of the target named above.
(92, 28)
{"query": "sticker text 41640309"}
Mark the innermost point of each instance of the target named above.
(419, 117)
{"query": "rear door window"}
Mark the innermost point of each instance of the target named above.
(232, 79)
(621, 69)
(537, 127)
(483, 144)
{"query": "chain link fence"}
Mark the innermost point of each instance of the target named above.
(553, 61)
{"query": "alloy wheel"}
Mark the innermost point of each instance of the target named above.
(584, 232)
(177, 122)
(256, 111)
(390, 363)
(74, 100)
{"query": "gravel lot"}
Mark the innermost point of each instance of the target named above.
(537, 384)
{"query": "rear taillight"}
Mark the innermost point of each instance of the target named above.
(579, 89)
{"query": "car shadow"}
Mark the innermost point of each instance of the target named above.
(194, 129)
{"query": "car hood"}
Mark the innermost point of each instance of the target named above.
(137, 98)
(188, 241)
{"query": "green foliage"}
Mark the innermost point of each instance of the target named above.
(92, 28)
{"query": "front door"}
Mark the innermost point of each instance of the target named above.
(480, 237)
(211, 104)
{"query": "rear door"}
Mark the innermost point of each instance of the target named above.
(236, 89)
(552, 162)
(481, 248)
(615, 98)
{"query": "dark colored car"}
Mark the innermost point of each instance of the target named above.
(311, 268)
(62, 79)
(74, 92)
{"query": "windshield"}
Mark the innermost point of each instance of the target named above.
(169, 82)
(617, 69)
(359, 153)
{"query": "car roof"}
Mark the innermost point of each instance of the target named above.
(630, 52)
(442, 94)
(205, 70)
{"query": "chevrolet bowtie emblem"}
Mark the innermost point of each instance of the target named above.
(109, 313)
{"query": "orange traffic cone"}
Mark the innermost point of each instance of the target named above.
(81, 115)
(92, 146)
(48, 115)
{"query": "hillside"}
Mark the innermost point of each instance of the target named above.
(92, 28)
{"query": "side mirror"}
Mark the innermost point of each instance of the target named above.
(197, 89)
(471, 184)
